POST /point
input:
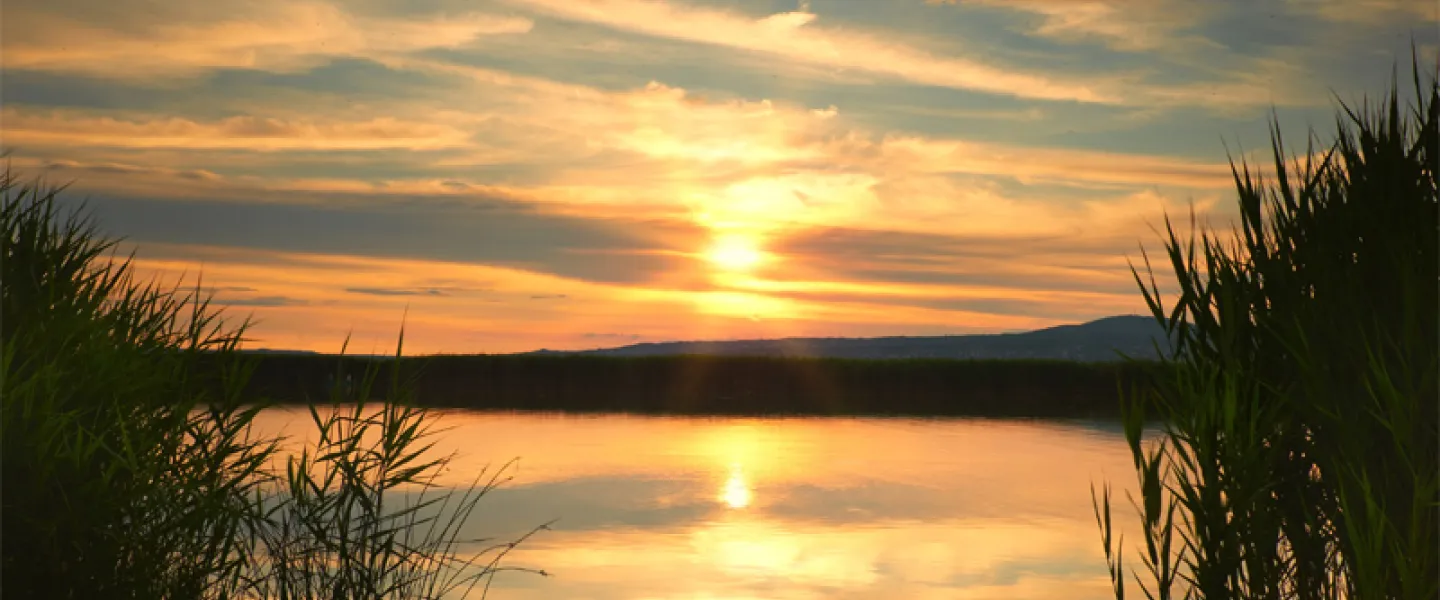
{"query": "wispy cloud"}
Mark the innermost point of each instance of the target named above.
(55, 127)
(1370, 11)
(723, 162)
(1126, 25)
(792, 36)
(268, 301)
(170, 39)
(396, 291)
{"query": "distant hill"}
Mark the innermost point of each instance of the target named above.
(1096, 341)
(272, 351)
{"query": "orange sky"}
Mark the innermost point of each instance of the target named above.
(522, 174)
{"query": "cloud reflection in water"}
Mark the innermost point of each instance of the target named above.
(652, 508)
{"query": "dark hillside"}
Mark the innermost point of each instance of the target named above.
(1096, 341)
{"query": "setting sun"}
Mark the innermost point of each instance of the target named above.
(735, 253)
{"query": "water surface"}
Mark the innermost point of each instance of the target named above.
(703, 508)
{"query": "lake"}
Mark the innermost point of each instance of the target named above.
(792, 508)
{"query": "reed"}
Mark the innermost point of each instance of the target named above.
(363, 515)
(127, 462)
(124, 468)
(1299, 403)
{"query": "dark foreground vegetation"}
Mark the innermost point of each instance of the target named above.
(1299, 455)
(729, 385)
(129, 472)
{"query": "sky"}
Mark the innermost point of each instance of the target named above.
(508, 175)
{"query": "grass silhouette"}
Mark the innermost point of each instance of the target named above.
(1299, 451)
(129, 471)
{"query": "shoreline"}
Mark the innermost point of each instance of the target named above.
(695, 385)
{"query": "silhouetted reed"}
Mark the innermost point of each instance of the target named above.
(1299, 452)
(129, 470)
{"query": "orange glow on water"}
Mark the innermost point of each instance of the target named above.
(863, 508)
(737, 493)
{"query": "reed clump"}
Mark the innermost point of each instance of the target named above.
(127, 463)
(1298, 456)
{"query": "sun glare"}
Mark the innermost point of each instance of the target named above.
(736, 493)
(734, 253)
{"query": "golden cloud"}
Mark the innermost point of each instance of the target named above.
(173, 40)
(68, 127)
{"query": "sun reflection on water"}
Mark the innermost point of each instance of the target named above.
(864, 509)
(736, 492)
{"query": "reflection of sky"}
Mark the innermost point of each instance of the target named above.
(649, 507)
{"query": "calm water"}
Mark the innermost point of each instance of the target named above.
(659, 508)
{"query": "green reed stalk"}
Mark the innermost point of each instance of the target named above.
(125, 464)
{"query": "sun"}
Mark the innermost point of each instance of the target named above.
(734, 253)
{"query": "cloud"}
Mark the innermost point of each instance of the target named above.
(173, 39)
(966, 265)
(1002, 114)
(1124, 25)
(992, 296)
(1193, 55)
(1369, 11)
(658, 214)
(921, 155)
(610, 336)
(633, 182)
(480, 230)
(794, 36)
(397, 291)
(269, 301)
(657, 150)
(800, 38)
(67, 167)
(57, 127)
